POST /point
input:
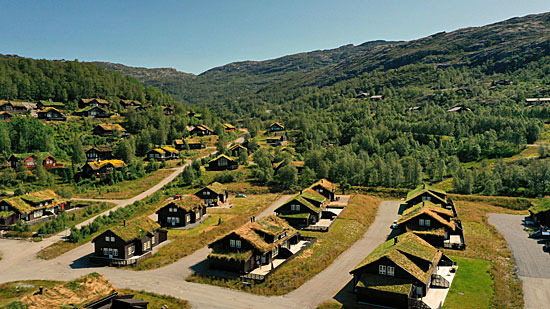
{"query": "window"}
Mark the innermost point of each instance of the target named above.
(107, 238)
(320, 190)
(146, 245)
(188, 218)
(153, 240)
(110, 251)
(382, 269)
(391, 271)
(421, 222)
(206, 192)
(275, 252)
(238, 244)
(3, 208)
(426, 198)
(112, 238)
(232, 243)
(427, 222)
(131, 250)
(295, 207)
(222, 162)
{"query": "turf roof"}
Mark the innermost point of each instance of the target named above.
(187, 203)
(20, 203)
(311, 194)
(169, 149)
(135, 229)
(325, 184)
(429, 209)
(300, 215)
(5, 214)
(302, 201)
(385, 283)
(216, 187)
(239, 256)
(221, 156)
(95, 165)
(38, 155)
(539, 206)
(421, 189)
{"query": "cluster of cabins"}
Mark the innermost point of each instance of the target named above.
(401, 272)
(55, 111)
(31, 208)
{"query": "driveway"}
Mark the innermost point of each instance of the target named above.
(532, 262)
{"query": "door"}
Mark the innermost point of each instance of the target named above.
(264, 260)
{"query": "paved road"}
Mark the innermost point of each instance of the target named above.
(532, 262)
(171, 278)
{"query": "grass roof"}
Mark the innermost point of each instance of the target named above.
(50, 103)
(159, 150)
(50, 108)
(169, 149)
(300, 215)
(178, 142)
(236, 146)
(429, 209)
(421, 189)
(408, 245)
(40, 196)
(239, 256)
(187, 203)
(24, 203)
(111, 127)
(221, 156)
(5, 214)
(325, 184)
(271, 225)
(385, 283)
(217, 187)
(38, 155)
(539, 206)
(95, 165)
(435, 232)
(135, 229)
(311, 194)
(100, 148)
(228, 126)
(298, 198)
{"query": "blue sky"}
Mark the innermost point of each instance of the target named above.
(194, 36)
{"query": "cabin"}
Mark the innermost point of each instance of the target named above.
(253, 245)
(93, 112)
(182, 212)
(458, 109)
(31, 160)
(540, 212)
(325, 188)
(236, 150)
(104, 129)
(377, 97)
(163, 153)
(229, 127)
(116, 301)
(302, 210)
(51, 114)
(222, 163)
(179, 144)
(537, 100)
(82, 103)
(299, 165)
(201, 130)
(276, 127)
(99, 153)
(436, 225)
(362, 95)
(5, 116)
(426, 193)
(279, 139)
(400, 273)
(168, 110)
(31, 207)
(213, 195)
(503, 82)
(194, 143)
(98, 168)
(415, 108)
(128, 243)
(13, 107)
(42, 104)
(129, 103)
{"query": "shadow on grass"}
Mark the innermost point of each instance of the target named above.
(84, 262)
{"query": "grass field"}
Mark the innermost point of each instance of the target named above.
(473, 285)
(348, 228)
(185, 242)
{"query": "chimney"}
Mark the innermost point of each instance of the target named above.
(301, 191)
(124, 222)
(41, 290)
(395, 240)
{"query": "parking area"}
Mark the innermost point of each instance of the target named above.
(532, 262)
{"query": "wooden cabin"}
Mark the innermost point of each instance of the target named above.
(426, 193)
(276, 127)
(253, 245)
(104, 129)
(400, 272)
(127, 243)
(31, 160)
(202, 130)
(82, 103)
(130, 103)
(42, 104)
(325, 188)
(222, 163)
(229, 127)
(98, 168)
(213, 195)
(51, 114)
(5, 116)
(99, 153)
(299, 165)
(93, 112)
(302, 210)
(540, 212)
(163, 153)
(13, 107)
(31, 206)
(236, 150)
(181, 212)
(194, 143)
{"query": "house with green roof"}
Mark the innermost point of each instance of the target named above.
(93, 112)
(182, 211)
(42, 104)
(222, 163)
(325, 188)
(426, 193)
(31, 160)
(401, 272)
(253, 245)
(51, 114)
(436, 225)
(213, 195)
(303, 210)
(128, 243)
(31, 206)
(540, 212)
(163, 153)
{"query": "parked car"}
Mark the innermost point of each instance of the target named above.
(394, 225)
(540, 234)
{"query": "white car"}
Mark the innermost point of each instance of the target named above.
(394, 225)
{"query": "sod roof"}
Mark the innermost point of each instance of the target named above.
(539, 206)
(385, 283)
(50, 103)
(38, 155)
(325, 184)
(311, 194)
(100, 148)
(431, 210)
(169, 149)
(25, 203)
(95, 165)
(228, 126)
(408, 245)
(5, 214)
(300, 215)
(50, 108)
(216, 187)
(135, 229)
(276, 124)
(187, 203)
(221, 156)
(159, 150)
(237, 146)
(40, 196)
(178, 142)
(422, 189)
(111, 127)
(238, 256)
(203, 127)
(298, 198)
(101, 101)
(435, 232)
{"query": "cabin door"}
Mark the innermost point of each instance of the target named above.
(264, 260)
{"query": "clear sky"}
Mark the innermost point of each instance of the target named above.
(194, 36)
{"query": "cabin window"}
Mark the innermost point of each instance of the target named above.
(391, 271)
(188, 218)
(131, 250)
(320, 190)
(39, 213)
(275, 251)
(153, 240)
(232, 243)
(206, 192)
(238, 244)
(3, 208)
(382, 269)
(427, 222)
(426, 198)
(222, 162)
(295, 207)
(421, 222)
(146, 245)
(110, 251)
(107, 238)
